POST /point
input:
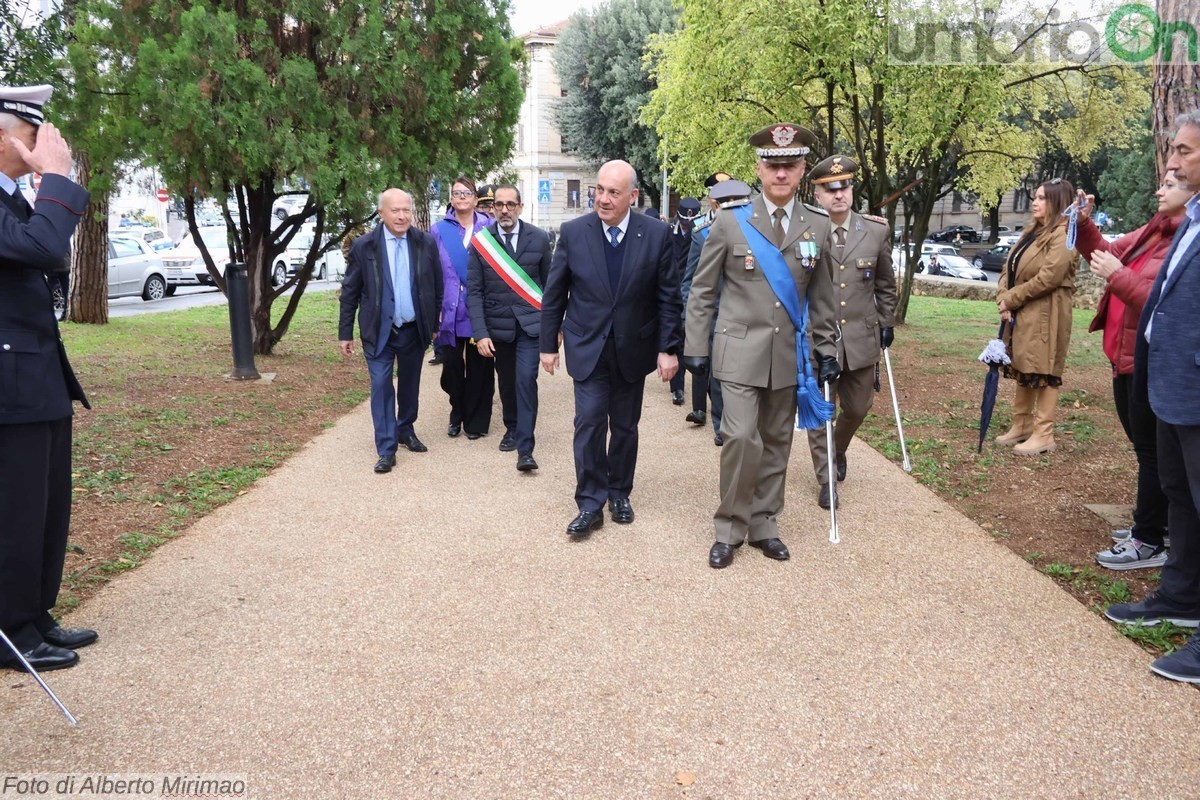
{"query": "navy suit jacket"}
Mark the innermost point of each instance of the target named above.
(1167, 369)
(496, 310)
(642, 316)
(367, 287)
(37, 383)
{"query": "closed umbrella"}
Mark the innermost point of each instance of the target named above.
(994, 355)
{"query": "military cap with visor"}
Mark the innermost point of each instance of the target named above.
(835, 172)
(783, 143)
(25, 102)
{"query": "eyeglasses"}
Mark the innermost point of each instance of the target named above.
(505, 204)
(461, 194)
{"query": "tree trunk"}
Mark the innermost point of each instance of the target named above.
(1176, 86)
(88, 300)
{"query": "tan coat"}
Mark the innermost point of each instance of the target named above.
(754, 343)
(864, 289)
(1040, 300)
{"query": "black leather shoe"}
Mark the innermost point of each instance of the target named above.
(473, 436)
(525, 463)
(46, 658)
(677, 397)
(720, 556)
(840, 463)
(697, 417)
(585, 523)
(454, 430)
(413, 444)
(507, 443)
(385, 464)
(823, 500)
(621, 510)
(437, 359)
(70, 638)
(719, 440)
(772, 548)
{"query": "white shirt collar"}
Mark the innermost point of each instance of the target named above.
(8, 184)
(787, 210)
(1193, 208)
(623, 225)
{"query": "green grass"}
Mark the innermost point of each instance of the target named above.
(1163, 637)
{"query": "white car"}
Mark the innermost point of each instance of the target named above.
(287, 205)
(185, 265)
(155, 238)
(330, 264)
(134, 269)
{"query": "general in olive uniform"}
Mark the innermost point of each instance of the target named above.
(864, 288)
(754, 353)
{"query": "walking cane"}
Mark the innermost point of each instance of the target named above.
(38, 678)
(887, 359)
(834, 538)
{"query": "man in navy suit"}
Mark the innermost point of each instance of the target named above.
(507, 325)
(37, 385)
(394, 280)
(614, 279)
(1167, 368)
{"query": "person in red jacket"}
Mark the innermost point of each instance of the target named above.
(1129, 266)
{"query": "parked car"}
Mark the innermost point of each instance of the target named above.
(134, 269)
(185, 265)
(986, 233)
(993, 260)
(287, 205)
(155, 238)
(330, 264)
(963, 233)
(931, 248)
(951, 266)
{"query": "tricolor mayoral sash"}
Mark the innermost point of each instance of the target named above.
(496, 257)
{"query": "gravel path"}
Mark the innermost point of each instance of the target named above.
(432, 633)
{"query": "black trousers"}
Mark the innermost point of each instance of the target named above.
(35, 515)
(469, 380)
(1141, 426)
(517, 364)
(1179, 468)
(606, 407)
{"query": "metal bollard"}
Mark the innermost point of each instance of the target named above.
(237, 290)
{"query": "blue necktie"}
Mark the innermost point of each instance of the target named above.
(613, 233)
(401, 284)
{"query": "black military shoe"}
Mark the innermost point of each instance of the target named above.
(582, 526)
(840, 463)
(772, 548)
(720, 555)
(45, 658)
(621, 510)
(823, 500)
(70, 638)
(697, 417)
(525, 462)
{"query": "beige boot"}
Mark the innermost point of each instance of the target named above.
(1042, 440)
(1022, 424)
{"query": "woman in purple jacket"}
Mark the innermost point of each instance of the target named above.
(467, 377)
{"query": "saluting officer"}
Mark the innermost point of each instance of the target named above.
(38, 388)
(755, 348)
(864, 286)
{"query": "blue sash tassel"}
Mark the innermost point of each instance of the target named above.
(812, 410)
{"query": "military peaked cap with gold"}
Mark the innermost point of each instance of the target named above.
(783, 142)
(714, 179)
(835, 172)
(486, 193)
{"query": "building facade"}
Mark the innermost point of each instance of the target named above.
(555, 186)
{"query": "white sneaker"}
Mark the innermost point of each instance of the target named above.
(1132, 554)
(1123, 534)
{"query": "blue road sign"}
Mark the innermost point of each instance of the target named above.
(544, 190)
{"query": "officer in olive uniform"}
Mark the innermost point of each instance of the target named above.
(864, 286)
(754, 348)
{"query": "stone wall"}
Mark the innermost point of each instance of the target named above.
(1088, 288)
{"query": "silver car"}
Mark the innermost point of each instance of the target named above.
(134, 269)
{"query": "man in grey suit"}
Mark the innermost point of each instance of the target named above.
(754, 353)
(1167, 368)
(864, 294)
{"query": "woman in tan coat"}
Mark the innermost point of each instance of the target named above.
(1034, 297)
